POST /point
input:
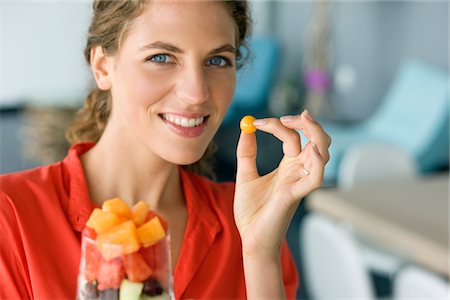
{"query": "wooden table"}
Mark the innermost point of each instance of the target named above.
(408, 218)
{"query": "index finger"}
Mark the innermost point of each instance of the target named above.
(311, 129)
(289, 136)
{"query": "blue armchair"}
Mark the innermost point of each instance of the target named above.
(413, 116)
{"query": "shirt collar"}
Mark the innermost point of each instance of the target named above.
(80, 205)
(201, 230)
(197, 199)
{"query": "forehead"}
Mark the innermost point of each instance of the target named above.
(184, 21)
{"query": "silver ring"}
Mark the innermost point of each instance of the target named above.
(305, 171)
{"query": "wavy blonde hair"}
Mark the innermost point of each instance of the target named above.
(110, 23)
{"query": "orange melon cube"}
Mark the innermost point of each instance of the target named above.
(118, 207)
(151, 232)
(139, 212)
(151, 214)
(101, 220)
(119, 240)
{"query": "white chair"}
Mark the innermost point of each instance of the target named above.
(333, 265)
(414, 283)
(375, 162)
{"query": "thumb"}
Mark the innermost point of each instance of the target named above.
(246, 158)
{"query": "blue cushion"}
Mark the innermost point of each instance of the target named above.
(414, 116)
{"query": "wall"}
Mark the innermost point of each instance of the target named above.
(41, 46)
(41, 54)
(371, 38)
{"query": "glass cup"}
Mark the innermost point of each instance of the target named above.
(107, 273)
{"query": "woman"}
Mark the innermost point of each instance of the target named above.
(165, 73)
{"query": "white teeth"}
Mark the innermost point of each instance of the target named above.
(183, 122)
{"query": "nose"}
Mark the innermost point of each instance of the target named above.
(192, 86)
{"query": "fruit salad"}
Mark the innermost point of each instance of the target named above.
(125, 254)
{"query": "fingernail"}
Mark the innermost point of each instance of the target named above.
(259, 122)
(287, 119)
(308, 115)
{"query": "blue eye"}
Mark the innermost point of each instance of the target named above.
(160, 58)
(218, 62)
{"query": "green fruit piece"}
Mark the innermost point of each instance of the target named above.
(130, 290)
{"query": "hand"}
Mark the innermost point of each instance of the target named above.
(264, 205)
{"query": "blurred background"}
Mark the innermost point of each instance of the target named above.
(373, 73)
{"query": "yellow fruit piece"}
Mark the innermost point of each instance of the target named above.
(247, 124)
(119, 240)
(101, 220)
(117, 206)
(151, 232)
(139, 212)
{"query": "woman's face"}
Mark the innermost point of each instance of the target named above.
(173, 78)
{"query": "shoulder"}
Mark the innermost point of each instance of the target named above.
(53, 177)
(27, 191)
(20, 208)
(41, 178)
(29, 197)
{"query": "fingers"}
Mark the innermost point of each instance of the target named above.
(246, 158)
(286, 130)
(316, 170)
(312, 130)
(289, 137)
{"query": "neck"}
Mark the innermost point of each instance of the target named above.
(132, 173)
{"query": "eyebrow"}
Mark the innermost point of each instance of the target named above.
(224, 48)
(173, 48)
(161, 45)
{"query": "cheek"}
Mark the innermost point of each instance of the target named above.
(223, 89)
(136, 90)
(144, 88)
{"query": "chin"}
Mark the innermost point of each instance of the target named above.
(186, 158)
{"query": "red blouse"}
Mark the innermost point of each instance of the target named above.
(43, 210)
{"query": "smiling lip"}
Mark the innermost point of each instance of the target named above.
(185, 125)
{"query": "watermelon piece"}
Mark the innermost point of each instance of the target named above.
(91, 260)
(110, 274)
(151, 232)
(136, 269)
(130, 290)
(118, 207)
(101, 221)
(156, 257)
